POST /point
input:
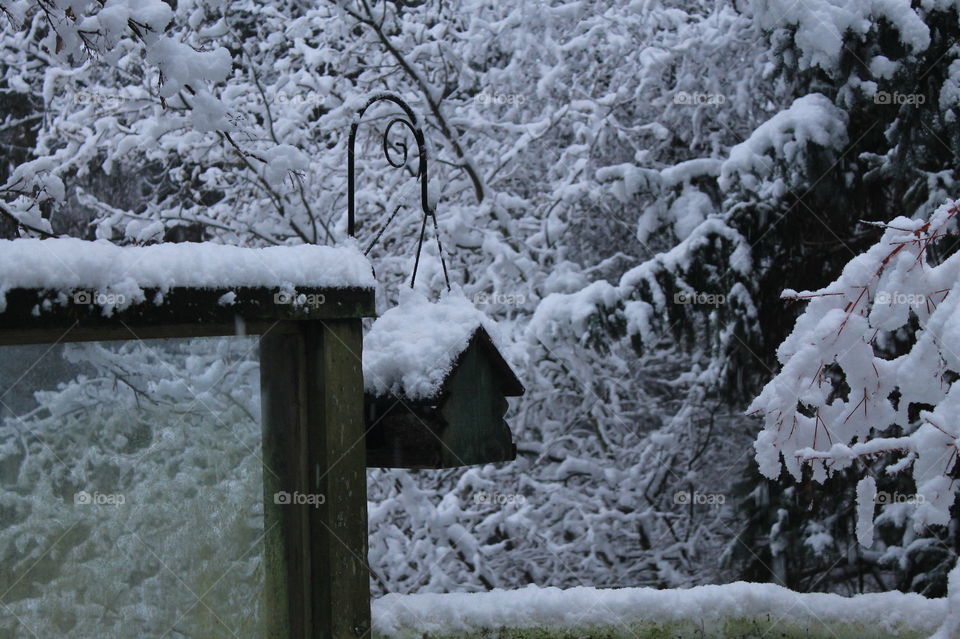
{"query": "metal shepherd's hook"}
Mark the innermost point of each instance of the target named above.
(410, 121)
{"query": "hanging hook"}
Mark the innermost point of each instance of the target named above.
(410, 122)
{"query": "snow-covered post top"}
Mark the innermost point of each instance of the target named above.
(56, 279)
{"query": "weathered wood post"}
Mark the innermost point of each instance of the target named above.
(317, 578)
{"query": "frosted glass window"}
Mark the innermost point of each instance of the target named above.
(131, 489)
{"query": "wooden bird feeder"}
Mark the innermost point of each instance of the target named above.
(461, 424)
(456, 418)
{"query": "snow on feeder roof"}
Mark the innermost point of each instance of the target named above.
(436, 386)
(52, 283)
(411, 349)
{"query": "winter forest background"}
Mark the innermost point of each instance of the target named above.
(626, 187)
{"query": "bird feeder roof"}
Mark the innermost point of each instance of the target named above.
(412, 349)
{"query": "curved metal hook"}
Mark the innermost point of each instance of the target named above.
(402, 145)
(411, 123)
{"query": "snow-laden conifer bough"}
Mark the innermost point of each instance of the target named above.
(813, 419)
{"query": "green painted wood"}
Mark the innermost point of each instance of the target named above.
(402, 435)
(43, 316)
(282, 364)
(318, 583)
(473, 407)
(462, 425)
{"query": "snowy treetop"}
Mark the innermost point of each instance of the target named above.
(821, 24)
(66, 264)
(411, 349)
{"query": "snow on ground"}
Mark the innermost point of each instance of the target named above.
(67, 264)
(411, 348)
(734, 610)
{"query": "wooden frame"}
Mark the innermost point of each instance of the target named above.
(35, 316)
(317, 579)
(315, 555)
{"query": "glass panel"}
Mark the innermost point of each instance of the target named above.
(131, 489)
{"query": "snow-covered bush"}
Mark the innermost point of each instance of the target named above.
(870, 369)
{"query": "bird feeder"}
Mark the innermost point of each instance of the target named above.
(436, 383)
(436, 388)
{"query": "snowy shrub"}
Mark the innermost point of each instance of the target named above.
(841, 397)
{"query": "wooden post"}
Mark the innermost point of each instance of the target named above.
(315, 554)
